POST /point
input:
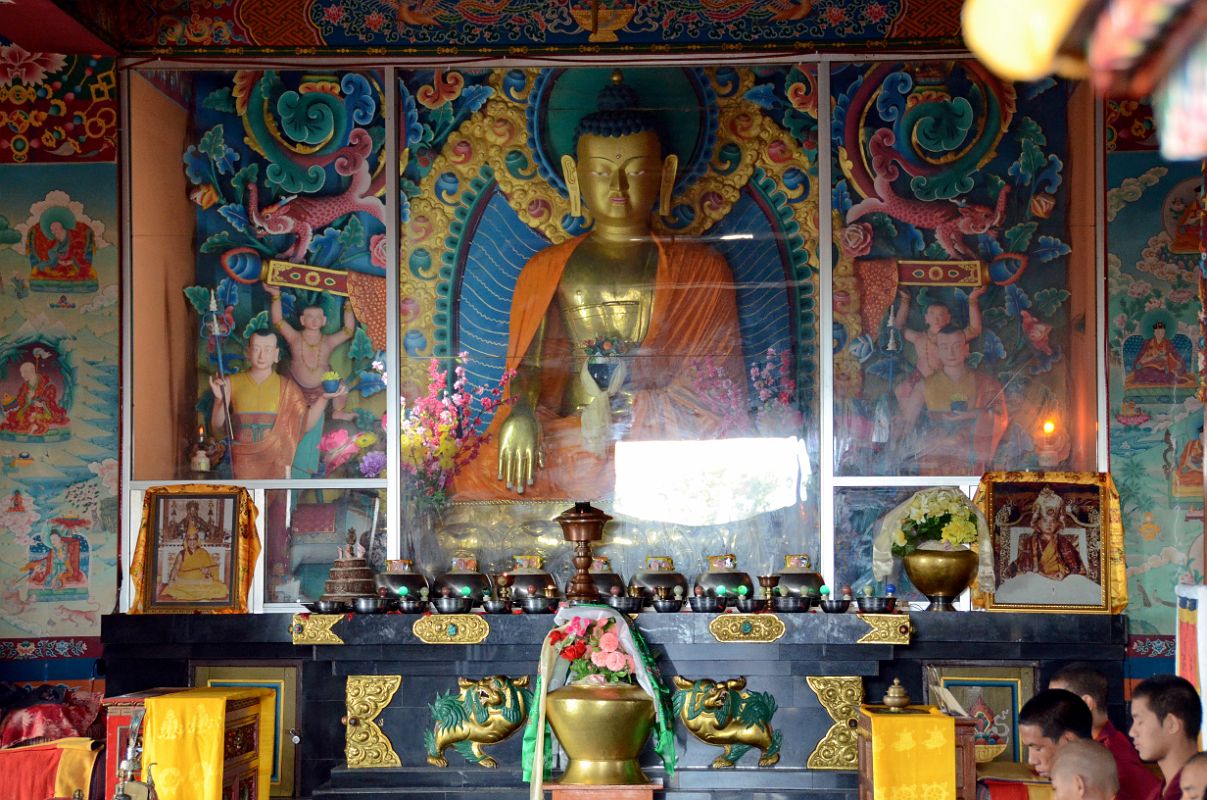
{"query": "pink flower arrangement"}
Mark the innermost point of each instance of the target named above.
(593, 650)
(442, 431)
(775, 394)
(721, 395)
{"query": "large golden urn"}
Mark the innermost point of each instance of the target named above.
(603, 729)
(941, 575)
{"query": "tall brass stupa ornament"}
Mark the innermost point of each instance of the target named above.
(582, 525)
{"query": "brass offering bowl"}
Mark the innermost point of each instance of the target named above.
(538, 604)
(369, 605)
(789, 604)
(496, 606)
(835, 606)
(411, 605)
(706, 605)
(750, 605)
(669, 606)
(626, 605)
(453, 605)
(876, 605)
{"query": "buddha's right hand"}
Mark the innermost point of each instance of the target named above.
(520, 452)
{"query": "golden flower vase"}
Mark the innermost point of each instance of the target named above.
(603, 729)
(941, 575)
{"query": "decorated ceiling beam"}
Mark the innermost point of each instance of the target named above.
(532, 28)
(42, 26)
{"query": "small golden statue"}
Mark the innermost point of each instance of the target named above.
(724, 714)
(485, 711)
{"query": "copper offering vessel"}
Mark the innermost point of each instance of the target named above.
(582, 525)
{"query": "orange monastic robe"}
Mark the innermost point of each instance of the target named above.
(271, 454)
(694, 317)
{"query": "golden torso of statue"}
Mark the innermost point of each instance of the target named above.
(606, 290)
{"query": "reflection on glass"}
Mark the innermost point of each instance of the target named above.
(304, 529)
(289, 291)
(709, 483)
(954, 296)
(857, 517)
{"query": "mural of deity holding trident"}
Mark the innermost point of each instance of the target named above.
(668, 302)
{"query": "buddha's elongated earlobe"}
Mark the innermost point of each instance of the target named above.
(670, 167)
(570, 173)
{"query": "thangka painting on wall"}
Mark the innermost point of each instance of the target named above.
(60, 386)
(1156, 422)
(951, 300)
(287, 171)
(35, 389)
(639, 247)
(58, 567)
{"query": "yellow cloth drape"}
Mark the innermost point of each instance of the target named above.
(246, 550)
(1114, 565)
(74, 770)
(913, 755)
(183, 735)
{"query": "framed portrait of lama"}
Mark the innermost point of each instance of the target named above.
(196, 550)
(1056, 541)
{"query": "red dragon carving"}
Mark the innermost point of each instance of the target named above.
(949, 220)
(301, 216)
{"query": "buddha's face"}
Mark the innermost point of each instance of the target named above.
(619, 176)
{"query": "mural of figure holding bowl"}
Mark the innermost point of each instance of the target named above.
(34, 393)
(291, 237)
(60, 251)
(947, 196)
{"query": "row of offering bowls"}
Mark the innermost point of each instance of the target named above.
(443, 605)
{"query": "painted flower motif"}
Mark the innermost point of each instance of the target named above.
(375, 21)
(205, 195)
(333, 14)
(19, 65)
(1140, 289)
(874, 12)
(856, 240)
(378, 250)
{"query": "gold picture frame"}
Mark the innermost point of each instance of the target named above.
(1056, 540)
(196, 550)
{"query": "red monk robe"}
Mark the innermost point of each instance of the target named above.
(694, 316)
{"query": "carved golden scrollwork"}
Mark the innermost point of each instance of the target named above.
(746, 627)
(840, 697)
(886, 629)
(451, 629)
(365, 744)
(315, 628)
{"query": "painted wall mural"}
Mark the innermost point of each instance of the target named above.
(574, 26)
(951, 304)
(1154, 346)
(59, 389)
(290, 166)
(56, 108)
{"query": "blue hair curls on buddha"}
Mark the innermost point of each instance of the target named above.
(619, 113)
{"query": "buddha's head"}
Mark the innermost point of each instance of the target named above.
(620, 170)
(1158, 330)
